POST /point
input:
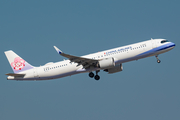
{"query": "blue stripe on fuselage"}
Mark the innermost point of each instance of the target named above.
(147, 53)
(152, 51)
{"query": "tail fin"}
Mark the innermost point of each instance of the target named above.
(16, 62)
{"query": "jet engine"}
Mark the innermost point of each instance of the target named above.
(106, 63)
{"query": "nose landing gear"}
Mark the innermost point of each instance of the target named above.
(158, 61)
(96, 77)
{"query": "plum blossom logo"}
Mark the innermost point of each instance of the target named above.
(18, 63)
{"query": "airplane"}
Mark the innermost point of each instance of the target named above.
(109, 61)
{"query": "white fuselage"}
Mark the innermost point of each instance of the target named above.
(120, 55)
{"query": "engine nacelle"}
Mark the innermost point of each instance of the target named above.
(107, 63)
(115, 69)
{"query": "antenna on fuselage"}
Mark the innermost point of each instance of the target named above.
(151, 39)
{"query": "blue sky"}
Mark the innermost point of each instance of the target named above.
(143, 90)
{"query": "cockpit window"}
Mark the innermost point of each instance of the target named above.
(163, 41)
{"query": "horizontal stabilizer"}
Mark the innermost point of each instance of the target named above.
(15, 75)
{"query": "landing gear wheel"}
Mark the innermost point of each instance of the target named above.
(97, 77)
(91, 74)
(158, 61)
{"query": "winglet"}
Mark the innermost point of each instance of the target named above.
(59, 51)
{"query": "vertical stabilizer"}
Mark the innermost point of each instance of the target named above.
(16, 62)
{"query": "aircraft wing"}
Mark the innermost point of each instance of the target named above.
(85, 62)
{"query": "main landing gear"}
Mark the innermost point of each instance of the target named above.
(158, 61)
(96, 77)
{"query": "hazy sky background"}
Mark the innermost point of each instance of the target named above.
(144, 90)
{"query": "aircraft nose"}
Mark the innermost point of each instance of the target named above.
(173, 44)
